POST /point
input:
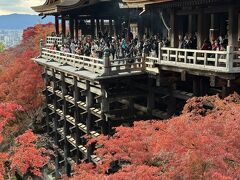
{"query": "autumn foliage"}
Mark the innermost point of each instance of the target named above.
(20, 77)
(26, 156)
(202, 143)
(21, 92)
(7, 114)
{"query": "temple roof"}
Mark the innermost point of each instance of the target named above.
(57, 6)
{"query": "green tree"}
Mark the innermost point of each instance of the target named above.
(2, 47)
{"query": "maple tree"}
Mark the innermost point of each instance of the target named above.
(27, 156)
(24, 155)
(21, 98)
(6, 115)
(20, 76)
(202, 143)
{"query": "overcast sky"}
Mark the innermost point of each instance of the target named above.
(18, 6)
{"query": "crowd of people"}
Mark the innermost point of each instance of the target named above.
(126, 46)
(122, 46)
(190, 42)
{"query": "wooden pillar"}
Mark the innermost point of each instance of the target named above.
(214, 27)
(89, 103)
(196, 86)
(57, 24)
(151, 96)
(97, 27)
(171, 102)
(111, 27)
(63, 26)
(93, 30)
(190, 24)
(46, 82)
(104, 110)
(173, 34)
(55, 122)
(233, 27)
(200, 32)
(57, 175)
(102, 25)
(71, 27)
(117, 26)
(55, 119)
(212, 16)
(66, 124)
(76, 28)
(202, 87)
(225, 91)
(77, 117)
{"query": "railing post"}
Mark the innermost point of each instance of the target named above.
(106, 62)
(160, 45)
(144, 59)
(229, 58)
(62, 40)
(41, 47)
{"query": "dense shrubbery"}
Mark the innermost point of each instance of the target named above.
(202, 143)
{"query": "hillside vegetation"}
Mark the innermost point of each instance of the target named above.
(202, 143)
(21, 100)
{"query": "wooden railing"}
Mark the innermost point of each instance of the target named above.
(216, 61)
(54, 40)
(126, 65)
(101, 66)
(92, 64)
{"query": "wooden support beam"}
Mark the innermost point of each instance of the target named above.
(171, 102)
(225, 91)
(57, 24)
(55, 119)
(76, 28)
(102, 25)
(71, 27)
(196, 86)
(93, 30)
(213, 27)
(97, 27)
(111, 27)
(190, 24)
(66, 124)
(233, 26)
(117, 28)
(151, 96)
(63, 26)
(200, 29)
(46, 82)
(173, 34)
(77, 117)
(89, 104)
(104, 109)
(57, 162)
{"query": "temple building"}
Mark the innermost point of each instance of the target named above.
(89, 95)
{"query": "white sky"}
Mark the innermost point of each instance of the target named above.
(18, 6)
